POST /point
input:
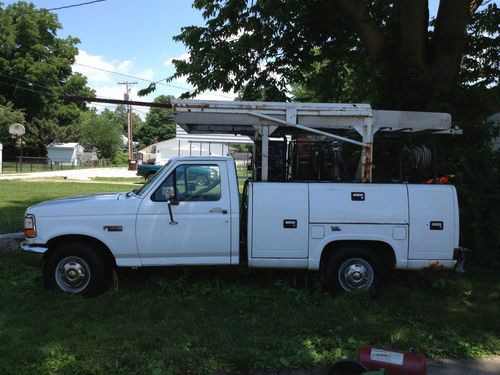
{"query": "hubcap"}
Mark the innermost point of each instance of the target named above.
(72, 274)
(356, 274)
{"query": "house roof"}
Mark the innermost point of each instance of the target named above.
(63, 145)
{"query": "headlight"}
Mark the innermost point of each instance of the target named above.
(29, 226)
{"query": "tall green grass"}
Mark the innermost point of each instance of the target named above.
(214, 320)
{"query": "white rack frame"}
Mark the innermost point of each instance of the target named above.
(260, 120)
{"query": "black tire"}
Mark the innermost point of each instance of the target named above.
(201, 180)
(76, 268)
(353, 269)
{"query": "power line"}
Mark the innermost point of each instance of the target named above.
(126, 75)
(27, 89)
(26, 81)
(64, 7)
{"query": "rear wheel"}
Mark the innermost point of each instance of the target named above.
(76, 268)
(353, 269)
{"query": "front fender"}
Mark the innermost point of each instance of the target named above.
(122, 243)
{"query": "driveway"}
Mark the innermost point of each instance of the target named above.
(72, 174)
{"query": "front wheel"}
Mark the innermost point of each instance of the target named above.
(352, 270)
(76, 268)
(201, 180)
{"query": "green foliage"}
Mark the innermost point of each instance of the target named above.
(158, 125)
(101, 131)
(481, 65)
(121, 116)
(35, 64)
(213, 320)
(39, 134)
(8, 116)
(120, 159)
(388, 53)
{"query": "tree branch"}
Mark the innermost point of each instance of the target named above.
(474, 4)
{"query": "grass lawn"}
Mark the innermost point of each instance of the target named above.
(202, 320)
(17, 195)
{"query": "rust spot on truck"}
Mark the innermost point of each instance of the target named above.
(436, 265)
(367, 162)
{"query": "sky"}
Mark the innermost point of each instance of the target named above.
(134, 38)
(129, 37)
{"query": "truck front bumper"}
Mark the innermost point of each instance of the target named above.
(32, 254)
(463, 257)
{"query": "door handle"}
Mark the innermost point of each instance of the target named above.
(218, 210)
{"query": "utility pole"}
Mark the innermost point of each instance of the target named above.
(126, 96)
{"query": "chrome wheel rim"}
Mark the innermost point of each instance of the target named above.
(356, 274)
(72, 274)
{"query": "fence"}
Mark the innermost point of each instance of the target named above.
(42, 164)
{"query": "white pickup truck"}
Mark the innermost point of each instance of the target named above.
(354, 232)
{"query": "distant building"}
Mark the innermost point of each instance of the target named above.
(191, 145)
(70, 153)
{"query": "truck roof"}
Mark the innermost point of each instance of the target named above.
(201, 158)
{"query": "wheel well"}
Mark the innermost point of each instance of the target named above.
(386, 251)
(91, 241)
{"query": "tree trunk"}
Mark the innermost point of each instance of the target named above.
(448, 42)
(413, 24)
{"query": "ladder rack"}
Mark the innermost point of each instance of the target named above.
(262, 120)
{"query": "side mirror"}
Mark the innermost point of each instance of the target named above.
(169, 194)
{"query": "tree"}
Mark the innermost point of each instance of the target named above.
(387, 51)
(158, 124)
(121, 116)
(101, 131)
(35, 64)
(8, 116)
(39, 134)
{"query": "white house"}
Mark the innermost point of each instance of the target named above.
(65, 153)
(192, 145)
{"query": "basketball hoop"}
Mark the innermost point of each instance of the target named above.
(17, 130)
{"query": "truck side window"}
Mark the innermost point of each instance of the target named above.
(192, 183)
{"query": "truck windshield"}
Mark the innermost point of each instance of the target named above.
(150, 181)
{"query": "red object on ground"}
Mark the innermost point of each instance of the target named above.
(395, 362)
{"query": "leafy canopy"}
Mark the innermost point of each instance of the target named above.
(387, 52)
(35, 64)
(158, 124)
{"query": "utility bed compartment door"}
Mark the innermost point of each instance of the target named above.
(280, 218)
(358, 203)
(433, 221)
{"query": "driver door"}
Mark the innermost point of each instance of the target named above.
(200, 232)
